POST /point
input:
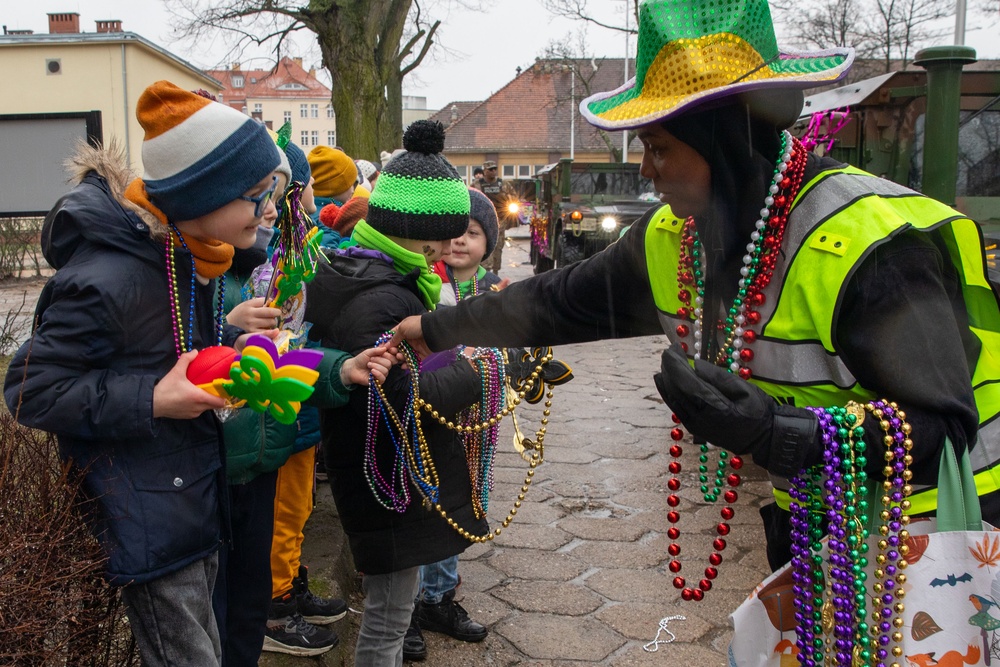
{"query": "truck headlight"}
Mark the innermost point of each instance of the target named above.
(608, 223)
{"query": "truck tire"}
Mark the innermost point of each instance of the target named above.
(543, 264)
(570, 251)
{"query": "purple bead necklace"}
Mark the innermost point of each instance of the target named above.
(890, 562)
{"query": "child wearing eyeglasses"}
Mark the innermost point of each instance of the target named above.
(132, 302)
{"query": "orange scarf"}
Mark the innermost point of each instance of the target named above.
(211, 258)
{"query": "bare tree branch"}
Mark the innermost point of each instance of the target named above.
(577, 11)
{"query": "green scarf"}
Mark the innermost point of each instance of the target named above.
(403, 260)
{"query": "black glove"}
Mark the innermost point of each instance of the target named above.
(731, 413)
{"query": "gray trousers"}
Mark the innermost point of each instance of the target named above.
(172, 618)
(388, 606)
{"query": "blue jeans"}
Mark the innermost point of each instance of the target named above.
(172, 619)
(242, 595)
(388, 606)
(437, 579)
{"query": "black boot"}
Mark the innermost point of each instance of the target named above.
(414, 648)
(450, 618)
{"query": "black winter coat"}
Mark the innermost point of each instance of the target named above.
(103, 340)
(351, 303)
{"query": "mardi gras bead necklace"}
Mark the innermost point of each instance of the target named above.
(759, 262)
(184, 338)
(832, 623)
(478, 427)
(890, 562)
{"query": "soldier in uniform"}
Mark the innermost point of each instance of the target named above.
(500, 194)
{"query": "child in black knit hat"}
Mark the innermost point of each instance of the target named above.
(418, 206)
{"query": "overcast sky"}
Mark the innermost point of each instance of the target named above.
(483, 49)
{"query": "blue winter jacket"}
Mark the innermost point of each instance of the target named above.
(102, 342)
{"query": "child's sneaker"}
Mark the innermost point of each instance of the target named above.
(287, 632)
(313, 608)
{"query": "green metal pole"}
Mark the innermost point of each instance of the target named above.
(944, 90)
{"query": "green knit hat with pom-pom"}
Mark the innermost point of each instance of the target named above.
(419, 195)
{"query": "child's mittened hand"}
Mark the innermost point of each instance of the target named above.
(174, 397)
(253, 316)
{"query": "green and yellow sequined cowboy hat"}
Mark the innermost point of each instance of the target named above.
(695, 51)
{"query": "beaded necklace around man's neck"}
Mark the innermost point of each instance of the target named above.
(759, 263)
(184, 338)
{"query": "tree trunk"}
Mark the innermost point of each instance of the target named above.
(392, 130)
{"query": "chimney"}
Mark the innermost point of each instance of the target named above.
(298, 61)
(454, 113)
(236, 67)
(68, 23)
(110, 25)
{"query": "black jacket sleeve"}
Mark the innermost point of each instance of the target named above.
(903, 333)
(604, 296)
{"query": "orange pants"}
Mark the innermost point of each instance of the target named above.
(293, 503)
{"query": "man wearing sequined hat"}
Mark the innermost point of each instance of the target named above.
(785, 281)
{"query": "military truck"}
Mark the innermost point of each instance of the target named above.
(881, 125)
(579, 208)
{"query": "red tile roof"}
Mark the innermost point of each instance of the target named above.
(264, 84)
(532, 112)
(453, 112)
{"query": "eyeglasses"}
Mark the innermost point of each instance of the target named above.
(491, 169)
(261, 200)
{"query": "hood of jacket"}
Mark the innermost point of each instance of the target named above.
(95, 211)
(346, 276)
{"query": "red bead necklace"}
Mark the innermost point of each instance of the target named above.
(759, 263)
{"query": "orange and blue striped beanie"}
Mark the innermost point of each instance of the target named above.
(199, 155)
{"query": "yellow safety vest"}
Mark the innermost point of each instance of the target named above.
(836, 220)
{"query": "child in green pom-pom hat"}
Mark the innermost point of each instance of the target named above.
(419, 204)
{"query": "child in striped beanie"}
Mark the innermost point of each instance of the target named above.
(106, 368)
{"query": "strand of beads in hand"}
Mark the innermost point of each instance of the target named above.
(413, 457)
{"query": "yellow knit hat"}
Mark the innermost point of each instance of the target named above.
(333, 170)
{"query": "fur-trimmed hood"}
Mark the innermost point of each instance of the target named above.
(96, 211)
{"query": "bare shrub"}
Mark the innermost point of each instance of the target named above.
(55, 608)
(20, 252)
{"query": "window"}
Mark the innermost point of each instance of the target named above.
(238, 81)
(258, 107)
(315, 138)
(329, 111)
(314, 111)
(303, 111)
(304, 138)
(508, 171)
(288, 116)
(331, 137)
(524, 171)
(463, 171)
(293, 86)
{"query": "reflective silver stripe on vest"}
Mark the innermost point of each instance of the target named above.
(783, 362)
